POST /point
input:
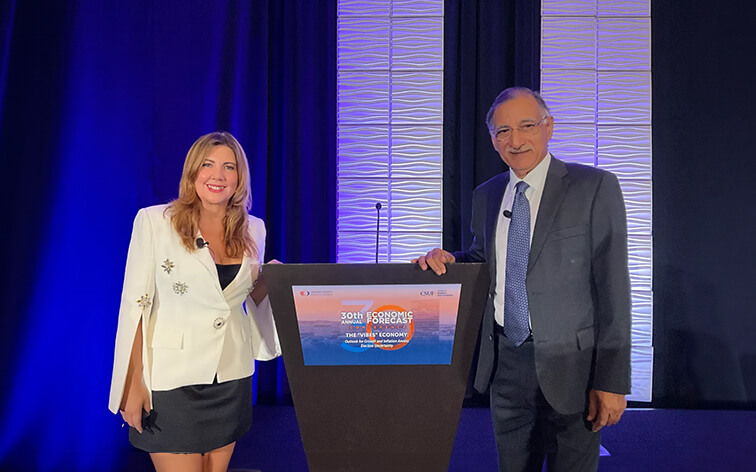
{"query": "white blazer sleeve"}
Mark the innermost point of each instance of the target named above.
(137, 300)
(265, 344)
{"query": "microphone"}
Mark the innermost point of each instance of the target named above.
(201, 243)
(378, 207)
(507, 214)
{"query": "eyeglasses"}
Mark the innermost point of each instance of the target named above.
(504, 133)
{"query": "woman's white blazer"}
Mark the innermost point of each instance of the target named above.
(191, 329)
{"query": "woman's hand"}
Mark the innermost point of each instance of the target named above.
(261, 290)
(136, 399)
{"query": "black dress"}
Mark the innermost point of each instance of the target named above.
(198, 418)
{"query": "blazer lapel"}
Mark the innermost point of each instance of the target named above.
(203, 255)
(554, 191)
(239, 276)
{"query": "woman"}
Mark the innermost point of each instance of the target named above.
(186, 338)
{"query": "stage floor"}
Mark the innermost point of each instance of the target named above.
(645, 440)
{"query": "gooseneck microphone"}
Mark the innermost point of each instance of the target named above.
(378, 207)
(201, 243)
(507, 214)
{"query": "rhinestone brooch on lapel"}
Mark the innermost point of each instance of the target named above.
(180, 288)
(144, 301)
(168, 266)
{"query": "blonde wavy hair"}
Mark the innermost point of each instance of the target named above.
(185, 210)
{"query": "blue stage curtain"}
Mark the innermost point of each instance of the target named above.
(99, 103)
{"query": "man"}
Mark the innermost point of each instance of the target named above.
(555, 339)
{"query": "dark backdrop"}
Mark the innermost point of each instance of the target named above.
(704, 219)
(99, 103)
(489, 45)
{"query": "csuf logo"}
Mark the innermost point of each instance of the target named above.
(427, 293)
(305, 293)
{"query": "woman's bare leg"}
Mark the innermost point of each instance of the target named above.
(218, 459)
(167, 462)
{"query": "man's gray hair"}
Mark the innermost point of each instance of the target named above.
(509, 94)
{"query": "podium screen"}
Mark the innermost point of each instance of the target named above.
(377, 324)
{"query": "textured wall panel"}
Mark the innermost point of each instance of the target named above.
(407, 246)
(568, 43)
(417, 43)
(363, 151)
(416, 205)
(416, 152)
(637, 194)
(643, 370)
(574, 143)
(639, 254)
(636, 191)
(356, 204)
(417, 97)
(624, 97)
(625, 151)
(571, 8)
(624, 44)
(624, 8)
(571, 97)
(596, 77)
(417, 8)
(363, 97)
(638, 215)
(363, 43)
(364, 7)
(642, 317)
(389, 110)
(360, 247)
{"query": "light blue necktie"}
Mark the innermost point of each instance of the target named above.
(516, 326)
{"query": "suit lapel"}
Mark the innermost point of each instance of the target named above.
(554, 191)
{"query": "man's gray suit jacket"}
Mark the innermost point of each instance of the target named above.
(578, 283)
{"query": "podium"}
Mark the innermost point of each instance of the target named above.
(377, 416)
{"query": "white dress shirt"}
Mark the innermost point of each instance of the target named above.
(536, 179)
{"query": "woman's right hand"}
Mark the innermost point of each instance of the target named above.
(136, 399)
(260, 290)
